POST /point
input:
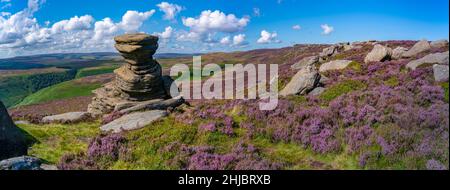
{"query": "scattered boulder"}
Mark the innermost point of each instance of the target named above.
(304, 81)
(379, 53)
(440, 72)
(12, 141)
(419, 47)
(439, 43)
(307, 61)
(21, 163)
(334, 65)
(317, 91)
(398, 52)
(154, 105)
(435, 58)
(71, 117)
(133, 121)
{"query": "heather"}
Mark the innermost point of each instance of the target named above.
(370, 116)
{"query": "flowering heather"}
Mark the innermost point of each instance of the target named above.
(242, 157)
(106, 146)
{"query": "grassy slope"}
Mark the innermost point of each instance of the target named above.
(53, 141)
(60, 91)
(95, 71)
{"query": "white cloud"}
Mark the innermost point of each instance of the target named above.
(267, 37)
(256, 12)
(170, 10)
(21, 34)
(296, 27)
(216, 21)
(167, 33)
(239, 40)
(225, 40)
(326, 29)
(5, 14)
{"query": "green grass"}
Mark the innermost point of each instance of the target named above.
(392, 81)
(95, 71)
(342, 88)
(60, 91)
(445, 87)
(53, 141)
(13, 89)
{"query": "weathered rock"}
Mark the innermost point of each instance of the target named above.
(439, 43)
(334, 65)
(317, 91)
(12, 141)
(419, 47)
(154, 105)
(71, 117)
(440, 72)
(398, 52)
(170, 87)
(133, 121)
(330, 51)
(323, 79)
(307, 61)
(21, 163)
(435, 58)
(379, 53)
(139, 80)
(304, 81)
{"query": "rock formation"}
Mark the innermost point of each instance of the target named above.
(307, 61)
(419, 47)
(303, 82)
(435, 58)
(140, 79)
(12, 140)
(378, 53)
(334, 65)
(398, 52)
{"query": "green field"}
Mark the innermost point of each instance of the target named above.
(95, 71)
(60, 91)
(14, 89)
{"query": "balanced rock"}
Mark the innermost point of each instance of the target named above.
(304, 81)
(71, 117)
(398, 52)
(307, 61)
(440, 72)
(133, 121)
(140, 79)
(379, 53)
(419, 47)
(334, 65)
(435, 58)
(439, 43)
(12, 141)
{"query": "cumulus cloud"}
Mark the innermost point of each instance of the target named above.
(166, 34)
(326, 29)
(170, 10)
(239, 40)
(267, 37)
(296, 27)
(208, 23)
(225, 40)
(21, 32)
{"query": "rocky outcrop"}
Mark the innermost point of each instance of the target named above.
(21, 163)
(12, 141)
(304, 81)
(317, 91)
(435, 58)
(307, 61)
(66, 118)
(398, 52)
(440, 72)
(379, 53)
(419, 47)
(334, 65)
(439, 43)
(140, 79)
(133, 121)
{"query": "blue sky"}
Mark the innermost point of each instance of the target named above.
(347, 20)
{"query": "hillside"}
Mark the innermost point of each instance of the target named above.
(377, 115)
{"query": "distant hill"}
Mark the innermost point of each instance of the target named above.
(71, 60)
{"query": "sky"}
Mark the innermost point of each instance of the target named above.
(197, 26)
